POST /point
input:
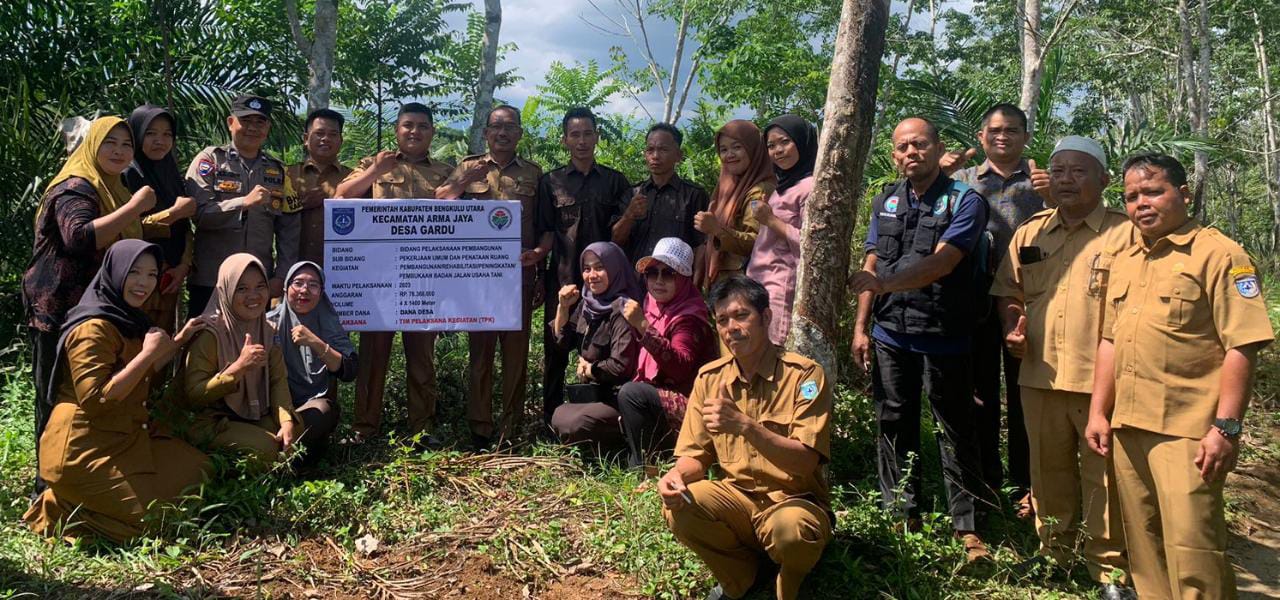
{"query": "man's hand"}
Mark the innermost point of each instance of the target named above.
(865, 281)
(1016, 338)
(286, 436)
(862, 350)
(1040, 181)
(384, 162)
(638, 208)
(584, 370)
(176, 276)
(257, 196)
(955, 160)
(475, 171)
(1217, 456)
(529, 258)
(634, 313)
(721, 414)
(1098, 434)
(675, 495)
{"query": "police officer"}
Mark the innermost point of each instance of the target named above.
(1050, 286)
(919, 271)
(501, 175)
(244, 202)
(408, 172)
(1183, 324)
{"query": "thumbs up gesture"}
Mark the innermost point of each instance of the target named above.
(1040, 181)
(721, 415)
(252, 356)
(955, 160)
(1016, 338)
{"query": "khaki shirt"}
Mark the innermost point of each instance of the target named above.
(306, 177)
(1062, 292)
(516, 180)
(408, 180)
(218, 179)
(788, 394)
(1173, 310)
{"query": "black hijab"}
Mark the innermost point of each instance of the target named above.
(162, 175)
(104, 299)
(805, 137)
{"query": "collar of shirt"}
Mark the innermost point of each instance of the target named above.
(937, 188)
(572, 170)
(987, 168)
(674, 182)
(766, 368)
(1093, 220)
(426, 160)
(1181, 236)
(311, 165)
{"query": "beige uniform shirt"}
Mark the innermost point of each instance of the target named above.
(1173, 310)
(408, 180)
(788, 394)
(306, 177)
(516, 180)
(1062, 292)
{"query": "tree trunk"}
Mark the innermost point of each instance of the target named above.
(488, 75)
(831, 211)
(1032, 63)
(1187, 62)
(318, 52)
(1199, 193)
(1270, 145)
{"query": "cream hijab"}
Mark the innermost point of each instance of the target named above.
(251, 400)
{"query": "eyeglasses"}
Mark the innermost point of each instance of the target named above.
(300, 285)
(658, 274)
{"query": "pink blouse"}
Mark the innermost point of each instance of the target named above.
(774, 257)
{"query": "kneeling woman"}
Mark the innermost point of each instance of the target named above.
(317, 354)
(233, 374)
(606, 344)
(102, 458)
(676, 340)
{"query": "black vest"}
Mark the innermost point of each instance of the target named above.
(906, 235)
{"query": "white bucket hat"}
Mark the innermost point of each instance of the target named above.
(674, 253)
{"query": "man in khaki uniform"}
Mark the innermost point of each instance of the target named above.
(317, 178)
(1051, 284)
(407, 173)
(501, 175)
(1183, 325)
(244, 203)
(763, 415)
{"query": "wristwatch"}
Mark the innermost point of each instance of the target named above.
(1229, 428)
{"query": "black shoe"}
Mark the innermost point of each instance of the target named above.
(1111, 591)
(1036, 565)
(481, 443)
(429, 442)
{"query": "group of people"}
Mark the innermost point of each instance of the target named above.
(965, 271)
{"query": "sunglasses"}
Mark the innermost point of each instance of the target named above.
(658, 274)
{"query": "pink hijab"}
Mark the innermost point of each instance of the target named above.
(687, 302)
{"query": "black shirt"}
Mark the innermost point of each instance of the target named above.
(579, 209)
(670, 214)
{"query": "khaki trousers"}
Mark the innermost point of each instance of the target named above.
(732, 532)
(1176, 530)
(1072, 488)
(420, 374)
(515, 371)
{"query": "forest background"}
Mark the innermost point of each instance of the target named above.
(1195, 78)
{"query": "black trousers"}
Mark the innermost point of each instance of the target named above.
(644, 423)
(556, 360)
(898, 378)
(988, 353)
(320, 417)
(197, 297)
(44, 352)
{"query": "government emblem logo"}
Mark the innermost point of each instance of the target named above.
(344, 220)
(500, 218)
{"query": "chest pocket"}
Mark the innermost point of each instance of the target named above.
(520, 188)
(1099, 274)
(228, 183)
(389, 185)
(1037, 278)
(889, 238)
(1182, 294)
(568, 209)
(928, 232)
(1116, 295)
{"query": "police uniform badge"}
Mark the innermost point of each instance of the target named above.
(940, 206)
(891, 204)
(809, 390)
(1246, 279)
(204, 167)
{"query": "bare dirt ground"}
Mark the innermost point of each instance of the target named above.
(1255, 537)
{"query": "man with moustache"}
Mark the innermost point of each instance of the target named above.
(243, 204)
(918, 281)
(664, 205)
(1184, 321)
(317, 177)
(577, 204)
(408, 173)
(500, 174)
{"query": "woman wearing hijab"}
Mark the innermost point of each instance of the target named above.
(793, 148)
(606, 344)
(84, 210)
(317, 354)
(155, 166)
(234, 374)
(102, 458)
(729, 223)
(676, 340)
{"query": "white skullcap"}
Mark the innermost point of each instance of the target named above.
(1082, 144)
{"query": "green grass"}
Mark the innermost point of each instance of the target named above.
(540, 516)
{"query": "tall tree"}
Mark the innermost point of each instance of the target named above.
(1035, 47)
(488, 75)
(832, 210)
(1270, 136)
(318, 51)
